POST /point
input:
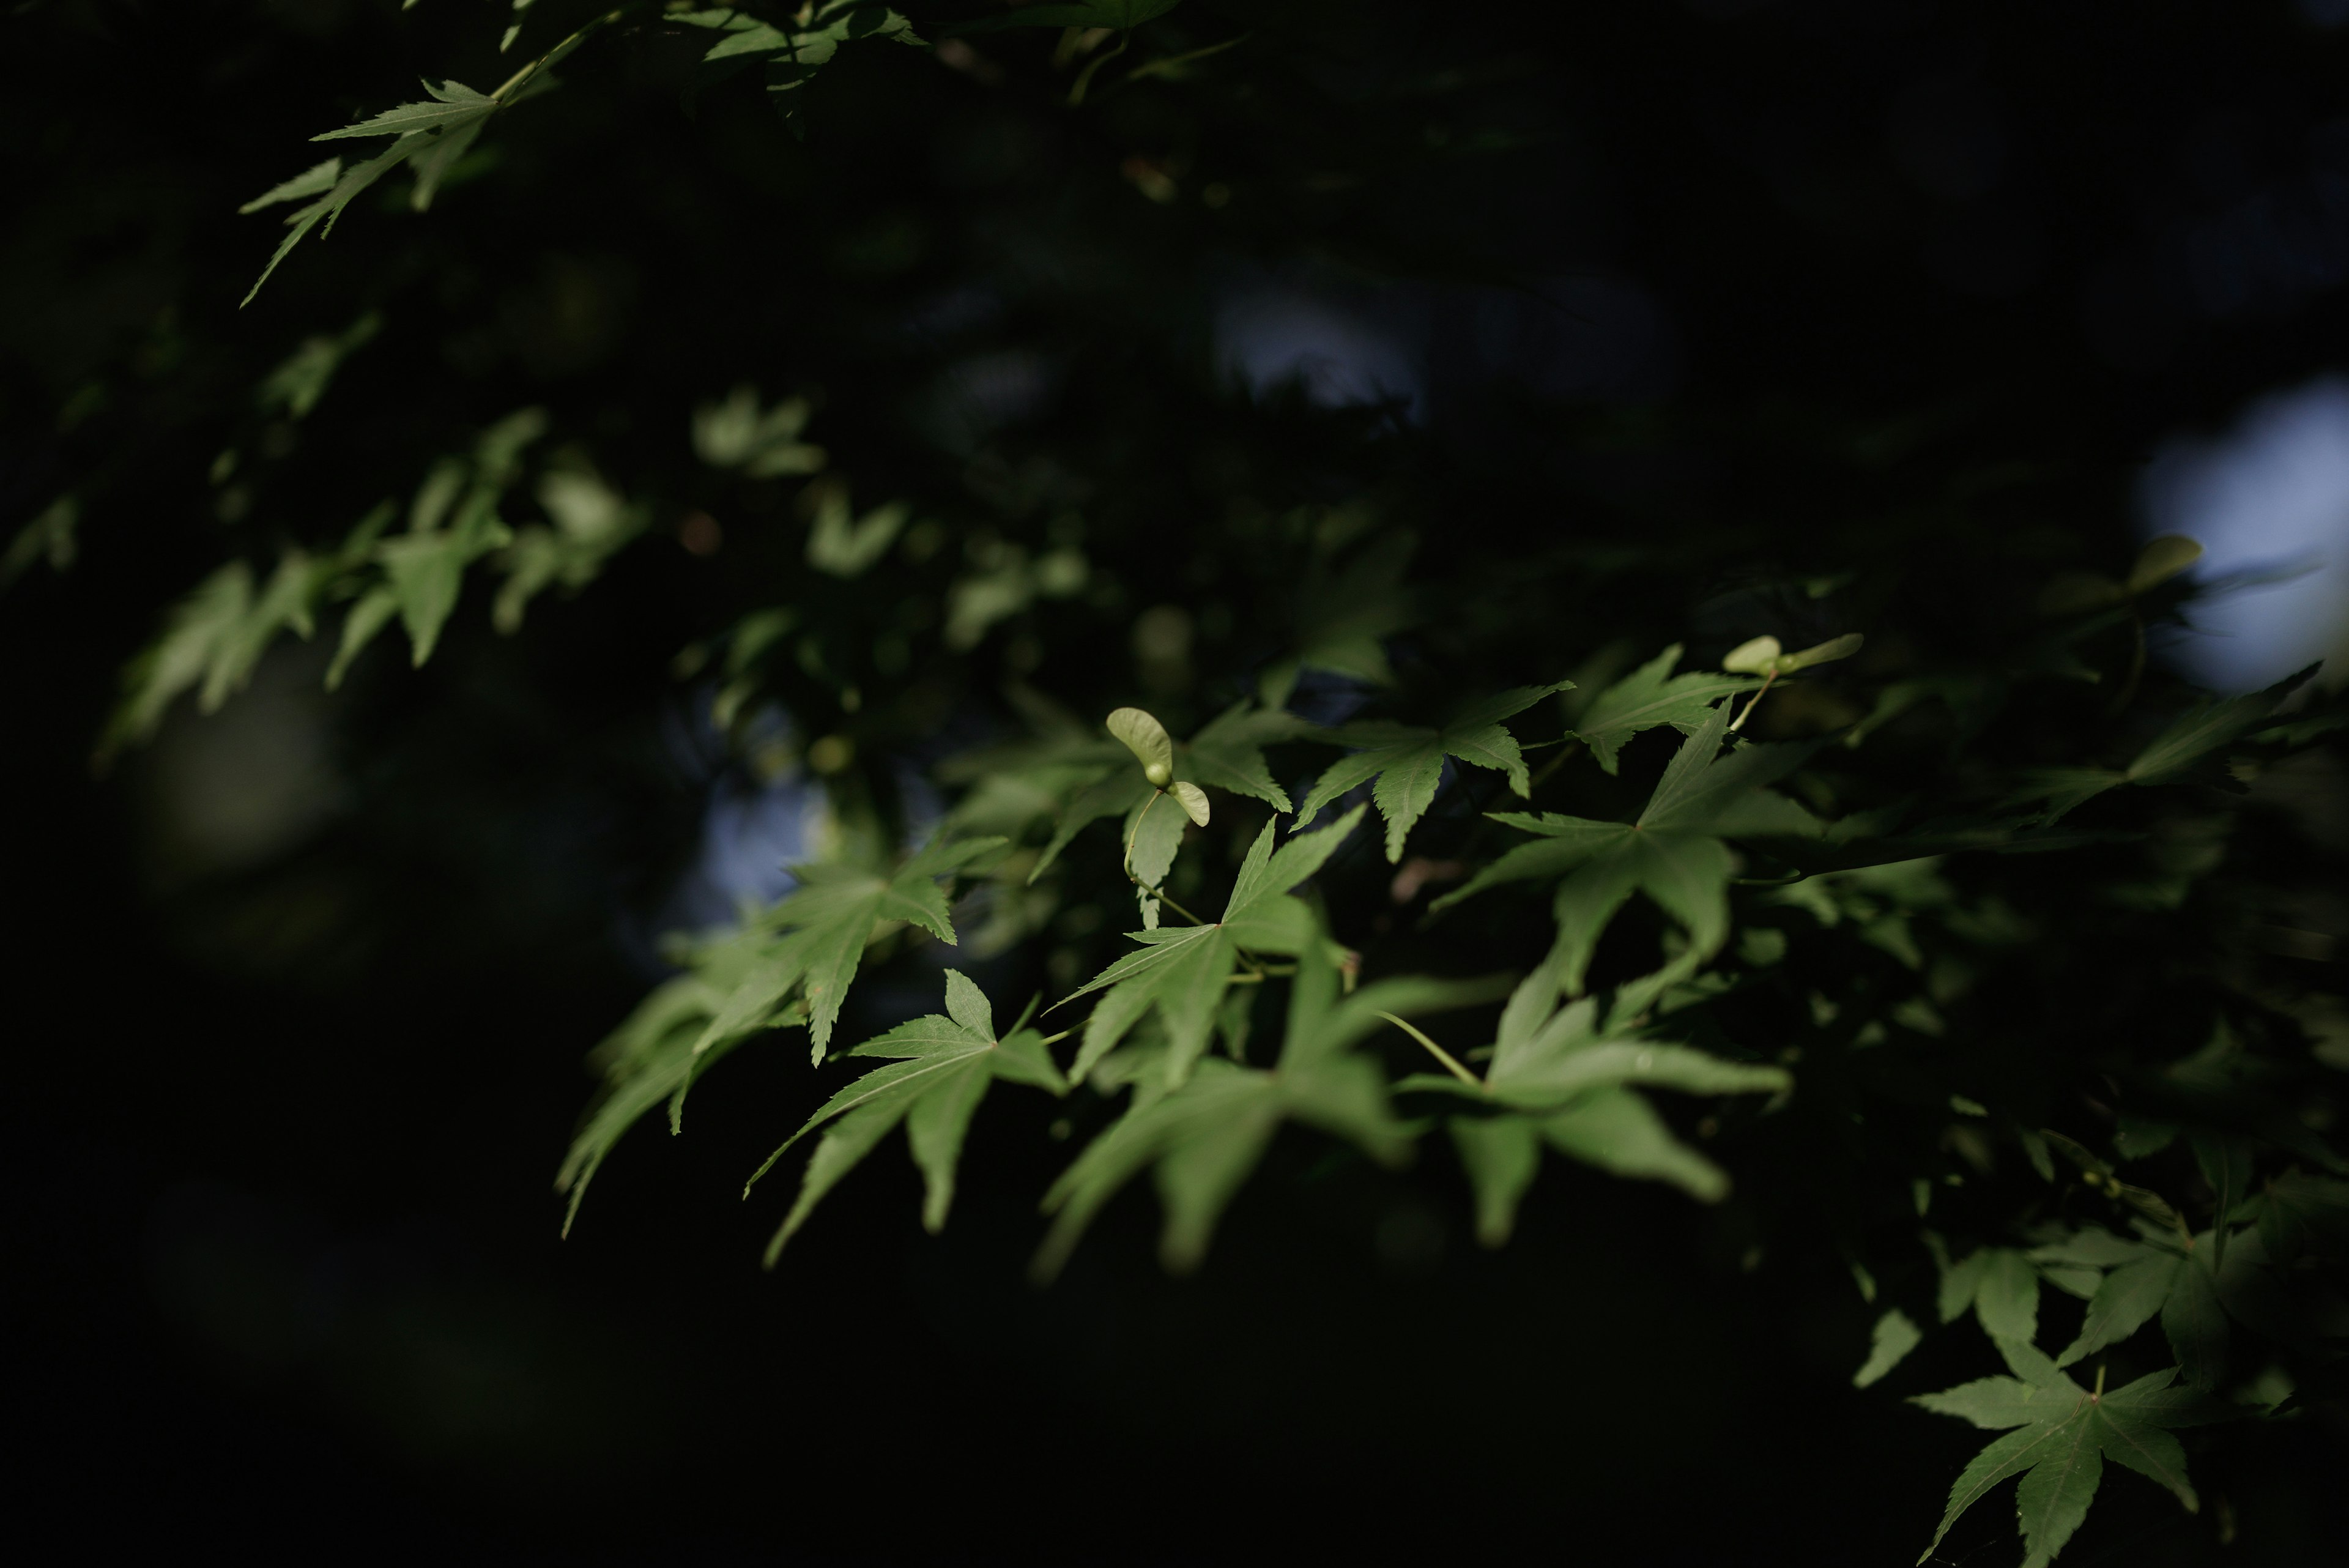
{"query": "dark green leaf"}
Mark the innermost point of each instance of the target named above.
(1649, 696)
(941, 1070)
(1407, 763)
(2063, 1433)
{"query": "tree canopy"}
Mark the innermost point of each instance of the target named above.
(1357, 607)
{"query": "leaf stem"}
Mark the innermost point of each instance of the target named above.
(1085, 77)
(1161, 894)
(1739, 722)
(1441, 1054)
(593, 24)
(1135, 833)
(1566, 744)
(1167, 66)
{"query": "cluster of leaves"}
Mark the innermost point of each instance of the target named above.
(1837, 928)
(414, 574)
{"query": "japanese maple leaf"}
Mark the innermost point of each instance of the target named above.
(801, 46)
(2193, 1292)
(1182, 972)
(1673, 853)
(2189, 748)
(650, 1057)
(2063, 1434)
(943, 1068)
(1205, 1136)
(822, 931)
(1652, 695)
(1408, 761)
(1564, 1078)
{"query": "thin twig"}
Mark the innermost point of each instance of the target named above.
(1441, 1054)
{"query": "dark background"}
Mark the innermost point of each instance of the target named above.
(283, 1272)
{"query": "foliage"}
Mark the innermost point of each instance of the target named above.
(1949, 971)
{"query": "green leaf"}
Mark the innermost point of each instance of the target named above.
(1894, 1336)
(1559, 1077)
(435, 133)
(1121, 793)
(1673, 853)
(2128, 1299)
(816, 939)
(941, 1069)
(1204, 1133)
(2206, 728)
(1181, 973)
(2298, 1211)
(1649, 696)
(844, 550)
(294, 387)
(795, 48)
(1153, 837)
(592, 522)
(650, 1057)
(2191, 742)
(735, 433)
(2062, 1435)
(2194, 1323)
(1408, 763)
(2006, 1295)
(347, 187)
(1501, 1155)
(1228, 753)
(434, 163)
(200, 626)
(449, 106)
(376, 609)
(314, 180)
(2225, 1160)
(49, 535)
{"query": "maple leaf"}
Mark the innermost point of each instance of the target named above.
(2298, 1210)
(1182, 972)
(2193, 1292)
(802, 45)
(433, 133)
(1673, 853)
(1408, 761)
(453, 523)
(2000, 1284)
(2062, 1435)
(1564, 1078)
(2173, 756)
(943, 1068)
(1205, 1133)
(651, 1056)
(1649, 696)
(816, 936)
